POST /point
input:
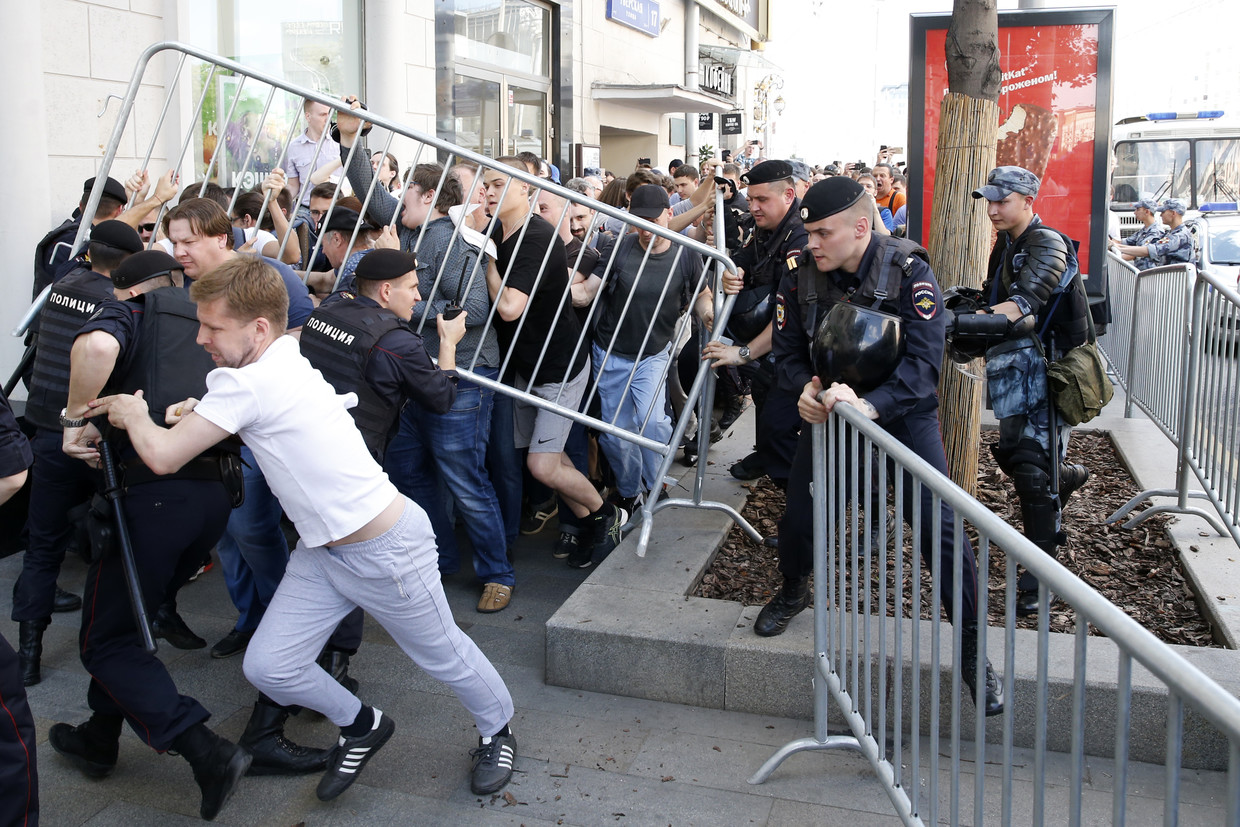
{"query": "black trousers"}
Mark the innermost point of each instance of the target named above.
(920, 432)
(172, 524)
(777, 422)
(19, 770)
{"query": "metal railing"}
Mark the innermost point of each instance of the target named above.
(279, 95)
(1172, 347)
(880, 656)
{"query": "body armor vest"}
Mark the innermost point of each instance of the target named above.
(169, 365)
(73, 300)
(337, 339)
(879, 289)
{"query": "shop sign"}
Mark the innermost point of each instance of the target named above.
(706, 120)
(717, 78)
(730, 123)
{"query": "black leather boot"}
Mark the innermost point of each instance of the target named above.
(30, 650)
(218, 766)
(1071, 477)
(273, 753)
(336, 664)
(991, 699)
(65, 601)
(791, 601)
(92, 747)
(170, 626)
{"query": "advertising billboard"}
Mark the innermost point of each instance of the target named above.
(1054, 116)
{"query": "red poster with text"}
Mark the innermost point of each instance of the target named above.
(1046, 118)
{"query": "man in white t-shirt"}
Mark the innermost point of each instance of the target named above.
(361, 542)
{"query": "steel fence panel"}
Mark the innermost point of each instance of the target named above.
(281, 94)
(845, 481)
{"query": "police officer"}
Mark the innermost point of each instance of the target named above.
(1175, 246)
(848, 271)
(1145, 211)
(769, 254)
(51, 254)
(59, 483)
(146, 343)
(1034, 281)
(19, 770)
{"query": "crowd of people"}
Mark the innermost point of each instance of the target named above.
(205, 339)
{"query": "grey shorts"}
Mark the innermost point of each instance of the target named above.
(542, 431)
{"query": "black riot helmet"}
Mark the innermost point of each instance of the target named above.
(857, 345)
(957, 300)
(751, 313)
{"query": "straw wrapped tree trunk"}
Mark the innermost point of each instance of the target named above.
(959, 241)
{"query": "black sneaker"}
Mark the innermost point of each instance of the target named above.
(565, 546)
(581, 555)
(607, 532)
(536, 519)
(233, 643)
(493, 761)
(351, 756)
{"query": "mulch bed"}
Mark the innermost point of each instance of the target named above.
(1137, 569)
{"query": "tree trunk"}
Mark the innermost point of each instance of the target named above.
(960, 233)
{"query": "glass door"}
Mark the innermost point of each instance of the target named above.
(527, 121)
(476, 115)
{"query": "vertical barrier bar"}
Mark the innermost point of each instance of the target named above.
(1078, 722)
(1123, 718)
(1175, 746)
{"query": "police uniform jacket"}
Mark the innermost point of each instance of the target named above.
(769, 254)
(913, 385)
(1175, 247)
(1143, 237)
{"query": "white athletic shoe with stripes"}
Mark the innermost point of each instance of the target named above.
(493, 760)
(351, 755)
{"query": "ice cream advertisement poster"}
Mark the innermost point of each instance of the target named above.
(1054, 114)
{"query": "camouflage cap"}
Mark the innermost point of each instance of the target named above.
(1176, 204)
(1003, 181)
(1146, 203)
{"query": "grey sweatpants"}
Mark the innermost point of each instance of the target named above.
(395, 578)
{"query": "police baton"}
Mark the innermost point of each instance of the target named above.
(1052, 418)
(113, 494)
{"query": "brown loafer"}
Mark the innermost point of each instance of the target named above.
(495, 597)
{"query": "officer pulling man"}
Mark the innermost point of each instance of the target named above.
(146, 344)
(1037, 311)
(849, 274)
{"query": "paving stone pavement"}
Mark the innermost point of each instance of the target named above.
(584, 758)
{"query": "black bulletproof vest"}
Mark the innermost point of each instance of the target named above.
(73, 300)
(168, 365)
(880, 289)
(337, 340)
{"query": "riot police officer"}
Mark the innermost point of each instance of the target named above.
(1034, 282)
(146, 343)
(847, 273)
(59, 483)
(769, 254)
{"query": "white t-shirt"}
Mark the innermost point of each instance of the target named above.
(304, 439)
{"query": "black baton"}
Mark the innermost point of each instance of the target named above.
(113, 493)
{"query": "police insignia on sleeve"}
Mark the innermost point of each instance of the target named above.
(781, 314)
(793, 259)
(925, 299)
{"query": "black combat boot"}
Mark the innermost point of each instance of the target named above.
(30, 650)
(170, 626)
(1071, 477)
(336, 663)
(218, 766)
(273, 753)
(791, 601)
(991, 699)
(92, 747)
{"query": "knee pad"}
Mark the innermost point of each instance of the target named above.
(1038, 507)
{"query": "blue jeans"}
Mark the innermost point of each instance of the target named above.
(635, 468)
(437, 451)
(253, 551)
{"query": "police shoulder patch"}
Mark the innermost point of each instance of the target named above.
(925, 299)
(781, 314)
(345, 294)
(793, 259)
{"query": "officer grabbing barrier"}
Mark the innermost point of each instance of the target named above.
(893, 670)
(221, 122)
(1172, 347)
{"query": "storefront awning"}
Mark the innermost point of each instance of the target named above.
(732, 56)
(658, 99)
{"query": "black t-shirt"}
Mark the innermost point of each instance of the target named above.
(659, 297)
(548, 318)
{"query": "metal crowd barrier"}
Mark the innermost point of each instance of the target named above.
(1199, 413)
(892, 676)
(1121, 282)
(283, 96)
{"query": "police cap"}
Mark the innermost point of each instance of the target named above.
(801, 171)
(766, 172)
(829, 196)
(116, 234)
(343, 220)
(1150, 204)
(1173, 204)
(1003, 181)
(143, 266)
(111, 187)
(385, 265)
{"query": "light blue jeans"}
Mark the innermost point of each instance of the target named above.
(635, 468)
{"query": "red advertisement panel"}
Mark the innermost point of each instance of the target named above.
(1046, 118)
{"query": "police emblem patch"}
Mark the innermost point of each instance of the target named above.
(780, 313)
(925, 299)
(792, 259)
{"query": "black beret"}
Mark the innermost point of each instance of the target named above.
(140, 267)
(385, 265)
(116, 234)
(344, 220)
(829, 196)
(766, 172)
(111, 187)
